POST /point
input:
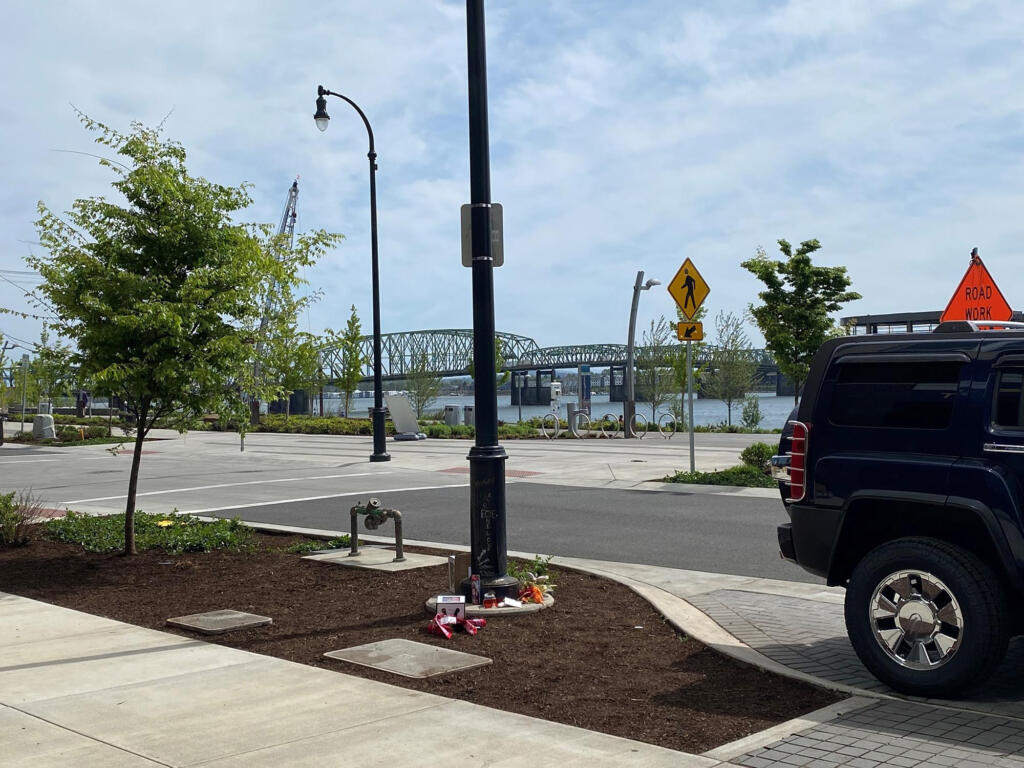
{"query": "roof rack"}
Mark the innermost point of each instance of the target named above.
(975, 326)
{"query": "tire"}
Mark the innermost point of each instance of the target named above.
(946, 625)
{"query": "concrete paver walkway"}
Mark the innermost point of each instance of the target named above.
(84, 691)
(798, 630)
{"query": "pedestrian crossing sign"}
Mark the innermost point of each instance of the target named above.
(688, 289)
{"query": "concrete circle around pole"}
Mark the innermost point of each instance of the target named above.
(479, 612)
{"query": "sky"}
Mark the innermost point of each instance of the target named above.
(624, 136)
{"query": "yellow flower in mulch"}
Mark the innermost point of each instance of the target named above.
(165, 523)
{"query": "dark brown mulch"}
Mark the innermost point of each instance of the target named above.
(601, 659)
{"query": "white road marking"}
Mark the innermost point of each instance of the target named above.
(225, 485)
(318, 498)
(26, 461)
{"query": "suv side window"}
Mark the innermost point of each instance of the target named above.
(1008, 405)
(910, 395)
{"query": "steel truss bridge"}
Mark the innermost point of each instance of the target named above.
(448, 352)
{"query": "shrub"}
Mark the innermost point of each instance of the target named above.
(742, 475)
(314, 545)
(463, 430)
(516, 431)
(438, 430)
(751, 417)
(758, 455)
(173, 533)
(17, 511)
(317, 425)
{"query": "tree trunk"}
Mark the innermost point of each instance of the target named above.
(133, 481)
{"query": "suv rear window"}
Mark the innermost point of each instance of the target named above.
(912, 395)
(1008, 409)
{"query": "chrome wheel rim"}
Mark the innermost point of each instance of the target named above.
(916, 619)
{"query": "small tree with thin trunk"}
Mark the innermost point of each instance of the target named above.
(159, 291)
(421, 382)
(654, 368)
(796, 303)
(730, 374)
(353, 360)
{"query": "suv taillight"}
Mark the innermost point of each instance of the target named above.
(798, 460)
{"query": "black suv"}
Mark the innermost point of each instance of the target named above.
(905, 477)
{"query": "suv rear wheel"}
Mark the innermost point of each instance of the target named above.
(926, 617)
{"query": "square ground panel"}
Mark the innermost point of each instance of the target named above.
(409, 658)
(216, 622)
(377, 559)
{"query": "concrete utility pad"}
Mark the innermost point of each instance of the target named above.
(217, 622)
(409, 658)
(377, 559)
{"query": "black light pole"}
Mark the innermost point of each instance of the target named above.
(486, 457)
(321, 117)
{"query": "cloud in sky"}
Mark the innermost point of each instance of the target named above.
(624, 136)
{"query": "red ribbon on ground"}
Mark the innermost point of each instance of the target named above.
(442, 625)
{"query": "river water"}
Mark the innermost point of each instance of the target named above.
(774, 409)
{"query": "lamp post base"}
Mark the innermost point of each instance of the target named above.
(380, 452)
(628, 415)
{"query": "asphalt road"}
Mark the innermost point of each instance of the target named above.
(610, 513)
(702, 532)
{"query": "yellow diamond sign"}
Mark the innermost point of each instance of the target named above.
(688, 289)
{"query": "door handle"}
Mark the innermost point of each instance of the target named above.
(1002, 448)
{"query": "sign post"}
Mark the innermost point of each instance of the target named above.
(689, 290)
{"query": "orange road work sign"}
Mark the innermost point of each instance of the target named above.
(977, 297)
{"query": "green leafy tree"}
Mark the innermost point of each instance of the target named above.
(52, 366)
(751, 417)
(5, 363)
(421, 383)
(23, 382)
(677, 359)
(502, 376)
(297, 367)
(655, 376)
(730, 373)
(350, 347)
(796, 303)
(159, 293)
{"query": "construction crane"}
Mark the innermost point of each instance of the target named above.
(286, 236)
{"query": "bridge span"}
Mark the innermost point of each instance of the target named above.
(448, 352)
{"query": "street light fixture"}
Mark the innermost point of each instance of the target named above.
(322, 120)
(629, 406)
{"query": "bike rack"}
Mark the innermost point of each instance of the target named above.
(544, 428)
(647, 425)
(675, 425)
(575, 426)
(604, 420)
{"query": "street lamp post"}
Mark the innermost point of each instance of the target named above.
(321, 117)
(629, 406)
(486, 457)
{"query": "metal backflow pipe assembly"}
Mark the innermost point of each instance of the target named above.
(376, 516)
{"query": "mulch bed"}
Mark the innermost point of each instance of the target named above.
(601, 659)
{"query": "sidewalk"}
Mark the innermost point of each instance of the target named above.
(84, 691)
(81, 690)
